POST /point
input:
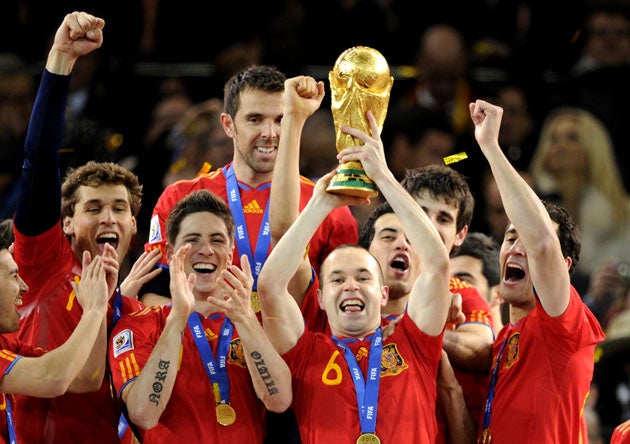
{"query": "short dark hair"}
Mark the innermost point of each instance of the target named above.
(486, 249)
(366, 235)
(568, 233)
(443, 183)
(197, 202)
(6, 234)
(257, 77)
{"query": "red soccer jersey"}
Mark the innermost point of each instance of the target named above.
(621, 434)
(49, 315)
(324, 397)
(339, 227)
(11, 350)
(544, 375)
(190, 415)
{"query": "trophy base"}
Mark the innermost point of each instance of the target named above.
(352, 182)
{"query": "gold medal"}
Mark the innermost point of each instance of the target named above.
(368, 438)
(255, 301)
(225, 414)
(485, 438)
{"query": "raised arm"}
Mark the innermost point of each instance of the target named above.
(282, 318)
(270, 374)
(54, 373)
(536, 231)
(40, 199)
(144, 407)
(429, 301)
(302, 97)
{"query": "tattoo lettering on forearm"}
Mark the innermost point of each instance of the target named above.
(263, 371)
(159, 379)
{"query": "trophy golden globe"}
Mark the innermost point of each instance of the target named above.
(360, 81)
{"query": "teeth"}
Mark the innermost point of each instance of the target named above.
(18, 301)
(351, 303)
(204, 268)
(108, 237)
(265, 150)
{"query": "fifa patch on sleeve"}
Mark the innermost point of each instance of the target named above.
(122, 342)
(155, 233)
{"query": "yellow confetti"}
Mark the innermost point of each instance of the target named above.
(455, 158)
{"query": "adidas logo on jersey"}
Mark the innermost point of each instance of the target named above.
(253, 207)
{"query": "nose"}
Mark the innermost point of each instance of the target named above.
(402, 243)
(107, 216)
(205, 248)
(517, 248)
(23, 286)
(350, 284)
(270, 130)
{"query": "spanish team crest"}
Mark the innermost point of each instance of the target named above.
(392, 363)
(512, 351)
(155, 233)
(122, 342)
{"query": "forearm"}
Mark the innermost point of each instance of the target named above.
(91, 375)
(460, 425)
(270, 374)
(284, 201)
(148, 395)
(51, 374)
(468, 350)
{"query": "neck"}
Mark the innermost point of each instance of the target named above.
(395, 305)
(244, 173)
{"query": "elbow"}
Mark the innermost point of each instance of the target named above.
(278, 402)
(142, 419)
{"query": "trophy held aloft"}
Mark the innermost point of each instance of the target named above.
(360, 81)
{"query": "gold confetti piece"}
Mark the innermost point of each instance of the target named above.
(455, 158)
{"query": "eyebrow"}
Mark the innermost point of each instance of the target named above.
(463, 274)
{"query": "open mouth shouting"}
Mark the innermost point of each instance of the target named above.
(514, 273)
(107, 238)
(400, 263)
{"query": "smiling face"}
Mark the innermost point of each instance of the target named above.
(352, 292)
(12, 287)
(211, 251)
(102, 215)
(255, 131)
(398, 259)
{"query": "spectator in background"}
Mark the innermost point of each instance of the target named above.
(442, 83)
(198, 142)
(318, 153)
(574, 165)
(518, 127)
(492, 219)
(598, 81)
(416, 137)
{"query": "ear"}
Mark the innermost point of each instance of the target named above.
(68, 227)
(460, 236)
(384, 295)
(134, 226)
(168, 252)
(569, 262)
(319, 299)
(228, 125)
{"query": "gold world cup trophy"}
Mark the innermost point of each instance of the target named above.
(360, 81)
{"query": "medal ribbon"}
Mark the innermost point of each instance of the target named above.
(217, 371)
(242, 236)
(487, 412)
(366, 390)
(10, 425)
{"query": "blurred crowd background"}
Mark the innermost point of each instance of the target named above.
(151, 97)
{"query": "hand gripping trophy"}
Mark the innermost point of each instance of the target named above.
(360, 81)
